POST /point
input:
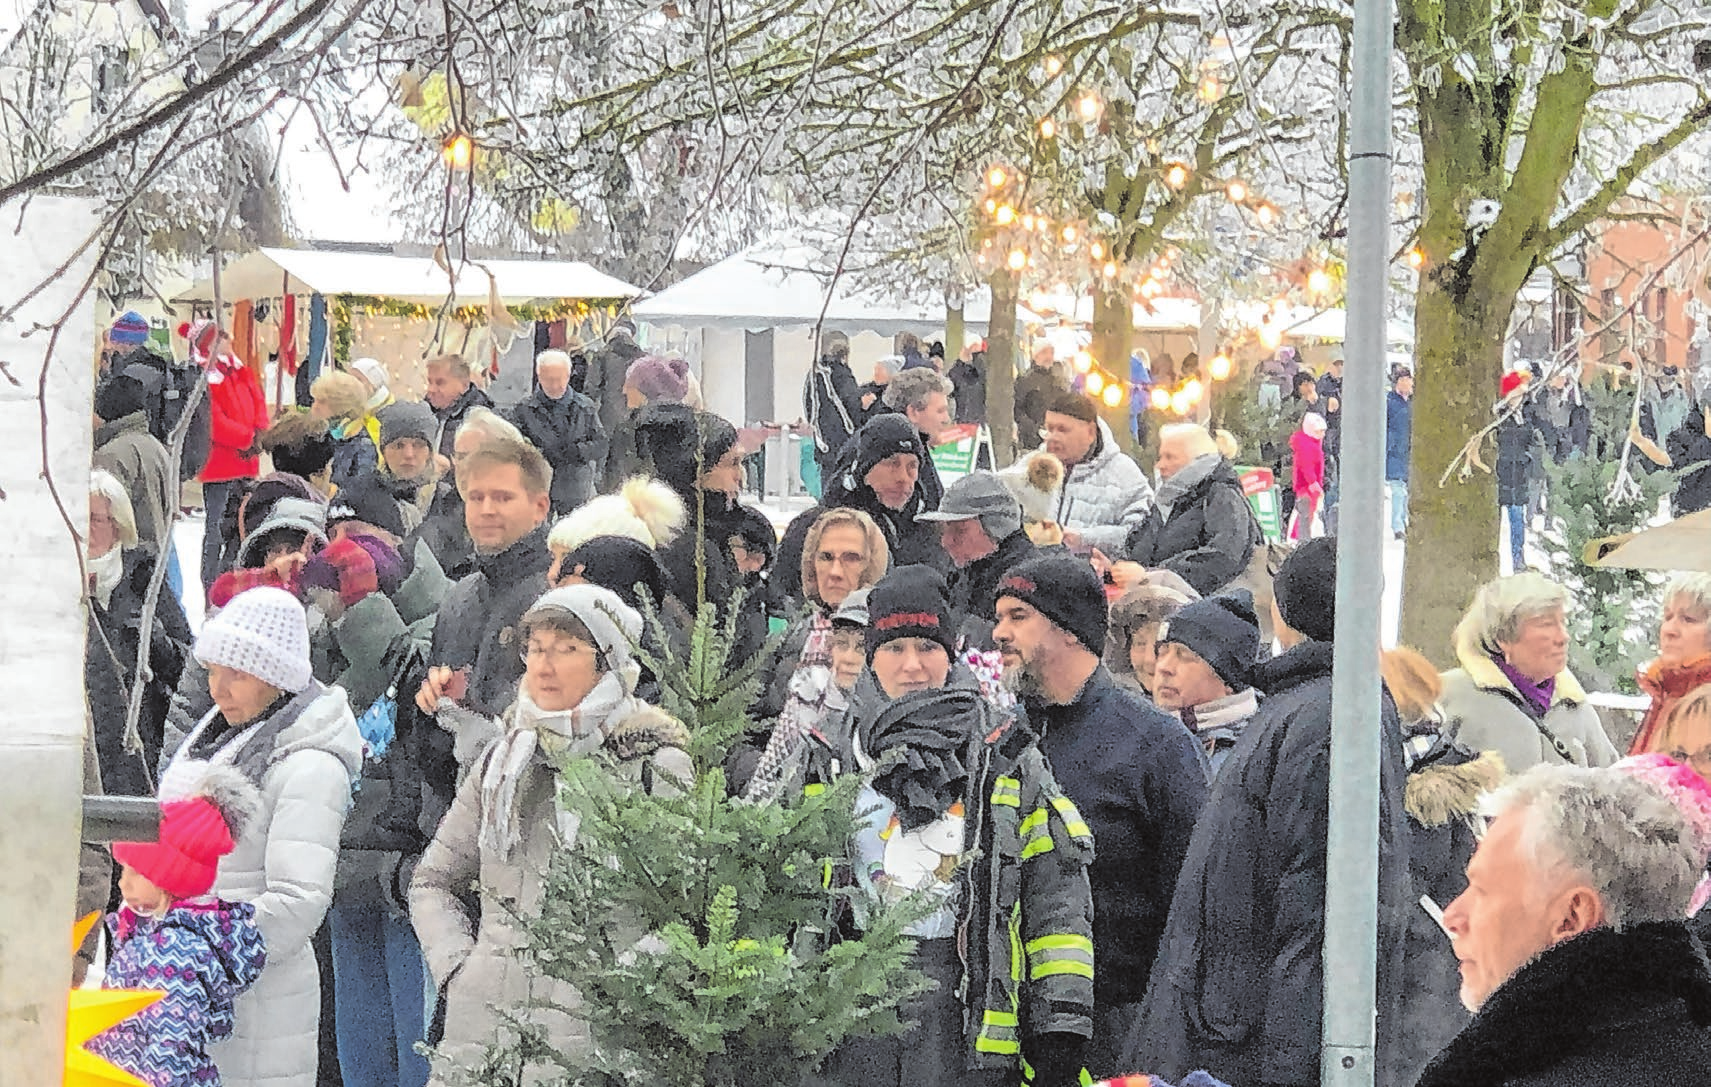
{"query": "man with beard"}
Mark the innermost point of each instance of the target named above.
(1135, 774)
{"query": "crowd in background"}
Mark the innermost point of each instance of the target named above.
(1091, 714)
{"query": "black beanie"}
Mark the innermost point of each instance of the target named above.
(620, 564)
(1221, 630)
(1306, 589)
(119, 395)
(881, 437)
(910, 602)
(1065, 590)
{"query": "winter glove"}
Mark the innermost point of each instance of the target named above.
(1056, 1060)
(343, 573)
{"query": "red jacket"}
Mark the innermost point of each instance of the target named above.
(1309, 460)
(238, 412)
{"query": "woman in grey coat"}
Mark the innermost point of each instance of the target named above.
(1513, 692)
(576, 700)
(297, 742)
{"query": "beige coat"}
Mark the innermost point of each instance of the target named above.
(1488, 708)
(475, 963)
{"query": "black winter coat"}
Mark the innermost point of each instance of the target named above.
(1239, 983)
(1034, 392)
(832, 401)
(110, 660)
(968, 388)
(450, 419)
(1601, 1009)
(567, 431)
(1520, 458)
(1689, 445)
(974, 595)
(605, 387)
(1208, 539)
(1137, 777)
(911, 541)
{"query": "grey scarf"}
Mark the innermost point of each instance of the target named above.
(1189, 476)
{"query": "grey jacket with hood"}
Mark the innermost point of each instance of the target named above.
(1105, 496)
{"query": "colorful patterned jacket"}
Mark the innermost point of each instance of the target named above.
(202, 955)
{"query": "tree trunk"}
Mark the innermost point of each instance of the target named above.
(41, 645)
(1452, 530)
(1113, 331)
(1001, 368)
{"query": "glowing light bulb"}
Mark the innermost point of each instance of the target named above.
(1027, 222)
(1018, 260)
(1088, 107)
(1318, 281)
(1180, 403)
(1042, 224)
(1068, 233)
(1160, 399)
(1113, 395)
(1236, 190)
(1219, 367)
(1176, 176)
(1416, 258)
(1210, 90)
(1083, 361)
(1097, 250)
(458, 151)
(1048, 128)
(1265, 215)
(1151, 289)
(996, 177)
(1054, 65)
(991, 206)
(1194, 390)
(1270, 337)
(1095, 384)
(1110, 269)
(1006, 215)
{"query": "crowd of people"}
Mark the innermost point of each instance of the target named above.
(1093, 733)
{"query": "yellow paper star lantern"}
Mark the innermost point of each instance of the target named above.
(91, 1012)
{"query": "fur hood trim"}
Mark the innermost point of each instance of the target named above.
(1437, 793)
(229, 791)
(1485, 674)
(646, 732)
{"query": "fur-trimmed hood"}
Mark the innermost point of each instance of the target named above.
(1604, 1007)
(1441, 790)
(1485, 674)
(646, 732)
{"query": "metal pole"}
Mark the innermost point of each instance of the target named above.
(1348, 1057)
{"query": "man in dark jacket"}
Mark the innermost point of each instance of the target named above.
(1136, 775)
(1574, 955)
(832, 401)
(1239, 983)
(1200, 527)
(878, 473)
(923, 396)
(980, 528)
(1398, 436)
(565, 426)
(605, 387)
(968, 384)
(452, 395)
(1035, 391)
(1689, 447)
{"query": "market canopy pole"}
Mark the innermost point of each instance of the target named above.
(1351, 892)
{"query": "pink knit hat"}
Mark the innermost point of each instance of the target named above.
(1690, 793)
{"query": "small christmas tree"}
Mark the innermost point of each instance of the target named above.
(703, 945)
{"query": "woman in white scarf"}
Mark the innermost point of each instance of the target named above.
(576, 700)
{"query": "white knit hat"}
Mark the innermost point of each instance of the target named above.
(263, 632)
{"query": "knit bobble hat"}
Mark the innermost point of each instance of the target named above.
(1306, 589)
(263, 632)
(1513, 380)
(345, 567)
(659, 378)
(910, 602)
(1065, 590)
(620, 564)
(1221, 630)
(131, 329)
(195, 833)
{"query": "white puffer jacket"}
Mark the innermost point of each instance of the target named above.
(1105, 496)
(284, 866)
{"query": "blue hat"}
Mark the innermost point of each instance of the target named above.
(131, 329)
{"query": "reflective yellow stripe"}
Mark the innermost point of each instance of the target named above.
(1042, 844)
(1060, 942)
(983, 1044)
(999, 1019)
(998, 1033)
(1007, 791)
(813, 789)
(1034, 821)
(1071, 817)
(1060, 966)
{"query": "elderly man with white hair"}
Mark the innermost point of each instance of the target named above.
(1513, 693)
(1200, 527)
(565, 426)
(1573, 952)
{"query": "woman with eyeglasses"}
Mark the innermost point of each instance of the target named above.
(1686, 732)
(1684, 655)
(576, 701)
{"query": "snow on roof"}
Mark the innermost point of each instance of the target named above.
(267, 273)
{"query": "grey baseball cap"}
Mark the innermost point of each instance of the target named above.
(853, 610)
(979, 495)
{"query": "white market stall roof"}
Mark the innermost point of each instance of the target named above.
(267, 273)
(1331, 325)
(783, 286)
